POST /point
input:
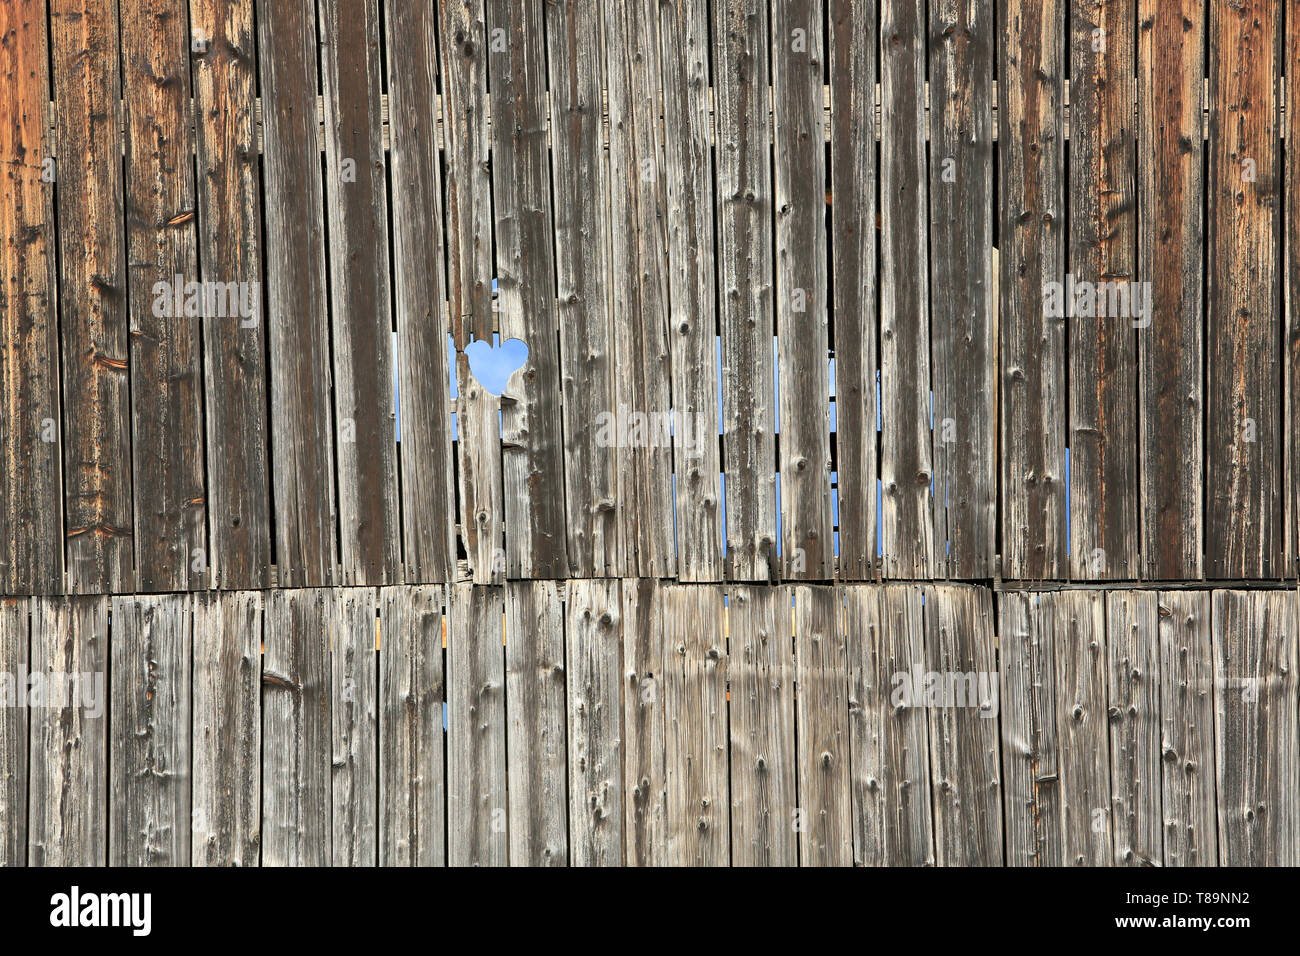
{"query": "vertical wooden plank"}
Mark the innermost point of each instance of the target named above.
(1255, 728)
(1244, 531)
(535, 724)
(963, 337)
(302, 433)
(532, 443)
(1290, 187)
(1133, 661)
(580, 175)
(354, 684)
(428, 483)
(826, 837)
(15, 633)
(594, 654)
(906, 464)
(296, 730)
(92, 294)
(868, 695)
(1187, 730)
(149, 817)
(31, 513)
(742, 156)
(644, 792)
(692, 325)
(695, 726)
(476, 729)
(853, 54)
(224, 71)
(469, 280)
(799, 154)
(965, 760)
(639, 289)
(227, 729)
(162, 271)
(67, 802)
(1171, 257)
(412, 785)
(764, 776)
(1102, 254)
(1031, 65)
(360, 314)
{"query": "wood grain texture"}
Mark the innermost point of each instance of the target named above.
(1134, 689)
(1171, 64)
(594, 655)
(31, 493)
(536, 764)
(15, 636)
(1290, 278)
(302, 427)
(1031, 67)
(427, 469)
(906, 454)
(1244, 434)
(226, 742)
(67, 799)
(166, 380)
(296, 729)
(92, 297)
(477, 830)
(761, 732)
(412, 693)
(645, 823)
(1255, 728)
(149, 815)
(695, 727)
(230, 250)
(742, 151)
(354, 731)
(854, 49)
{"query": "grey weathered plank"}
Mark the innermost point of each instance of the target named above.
(532, 441)
(15, 634)
(149, 815)
(166, 381)
(477, 819)
(695, 726)
(580, 173)
(1171, 256)
(594, 655)
(428, 479)
(1190, 816)
(302, 433)
(92, 296)
(296, 729)
(412, 784)
(535, 724)
(963, 339)
(67, 800)
(1031, 68)
(799, 152)
(965, 759)
(354, 733)
(1256, 741)
(906, 455)
(464, 54)
(1244, 436)
(352, 79)
(825, 802)
(1102, 249)
(644, 790)
(31, 511)
(692, 325)
(1290, 277)
(230, 250)
(853, 54)
(1134, 690)
(226, 742)
(764, 776)
(742, 152)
